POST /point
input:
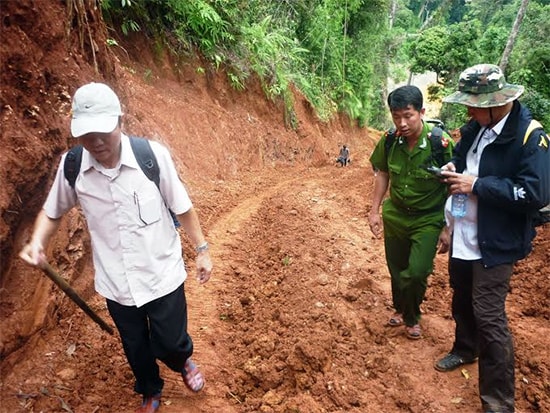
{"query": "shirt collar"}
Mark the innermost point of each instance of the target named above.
(126, 156)
(500, 125)
(422, 140)
(497, 129)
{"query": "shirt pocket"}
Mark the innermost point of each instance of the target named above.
(149, 209)
(422, 174)
(395, 173)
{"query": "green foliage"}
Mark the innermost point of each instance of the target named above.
(335, 52)
(427, 51)
(530, 60)
(539, 106)
(454, 116)
(235, 81)
(435, 92)
(129, 25)
(148, 75)
(484, 10)
(198, 22)
(445, 50)
(339, 54)
(347, 55)
(272, 54)
(456, 11)
(480, 36)
(122, 11)
(405, 19)
(492, 44)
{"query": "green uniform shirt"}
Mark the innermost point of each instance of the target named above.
(412, 188)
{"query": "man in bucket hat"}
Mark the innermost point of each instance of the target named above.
(137, 255)
(507, 180)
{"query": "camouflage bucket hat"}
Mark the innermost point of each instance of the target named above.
(484, 86)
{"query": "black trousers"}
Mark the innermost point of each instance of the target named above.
(157, 330)
(478, 306)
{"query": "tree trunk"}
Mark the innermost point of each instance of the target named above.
(445, 4)
(392, 13)
(512, 38)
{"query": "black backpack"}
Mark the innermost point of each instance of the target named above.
(144, 156)
(435, 137)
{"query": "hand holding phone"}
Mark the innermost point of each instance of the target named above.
(435, 170)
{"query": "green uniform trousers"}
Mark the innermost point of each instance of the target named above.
(410, 241)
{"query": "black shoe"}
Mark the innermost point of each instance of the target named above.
(450, 362)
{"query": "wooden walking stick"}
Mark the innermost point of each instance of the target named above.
(67, 289)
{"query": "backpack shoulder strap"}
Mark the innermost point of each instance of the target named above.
(390, 139)
(149, 165)
(436, 138)
(71, 167)
(146, 158)
(534, 124)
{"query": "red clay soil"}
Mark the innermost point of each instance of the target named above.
(293, 318)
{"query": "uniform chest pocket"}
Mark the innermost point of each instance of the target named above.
(395, 171)
(149, 209)
(422, 173)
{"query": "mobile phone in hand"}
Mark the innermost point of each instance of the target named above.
(435, 170)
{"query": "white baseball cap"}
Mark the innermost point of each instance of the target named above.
(96, 108)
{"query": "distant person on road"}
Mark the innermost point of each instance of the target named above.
(506, 180)
(137, 252)
(343, 157)
(413, 214)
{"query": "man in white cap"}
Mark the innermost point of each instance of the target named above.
(502, 164)
(137, 255)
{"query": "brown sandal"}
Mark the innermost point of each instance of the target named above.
(413, 332)
(395, 320)
(192, 377)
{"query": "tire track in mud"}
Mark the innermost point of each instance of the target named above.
(205, 309)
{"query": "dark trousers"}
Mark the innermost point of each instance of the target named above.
(478, 306)
(157, 330)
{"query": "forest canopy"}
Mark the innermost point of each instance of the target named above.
(341, 53)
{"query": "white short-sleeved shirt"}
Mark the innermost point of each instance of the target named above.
(137, 252)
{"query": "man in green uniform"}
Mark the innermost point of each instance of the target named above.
(412, 216)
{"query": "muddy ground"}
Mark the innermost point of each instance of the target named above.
(293, 318)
